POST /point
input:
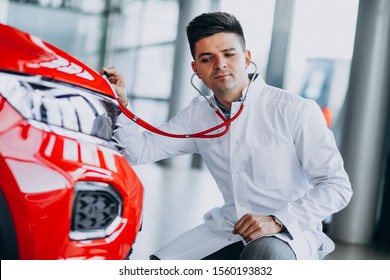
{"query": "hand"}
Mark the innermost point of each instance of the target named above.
(117, 82)
(251, 226)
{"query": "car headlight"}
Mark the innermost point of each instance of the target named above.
(51, 105)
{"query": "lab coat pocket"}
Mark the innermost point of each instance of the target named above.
(271, 166)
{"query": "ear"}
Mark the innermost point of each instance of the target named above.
(248, 57)
(194, 67)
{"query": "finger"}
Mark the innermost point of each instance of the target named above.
(253, 235)
(115, 77)
(243, 224)
(113, 80)
(241, 221)
(251, 232)
(110, 70)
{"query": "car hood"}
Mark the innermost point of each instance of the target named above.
(25, 53)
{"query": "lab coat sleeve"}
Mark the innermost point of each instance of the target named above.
(324, 169)
(142, 146)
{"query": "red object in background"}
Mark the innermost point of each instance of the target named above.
(66, 192)
(328, 115)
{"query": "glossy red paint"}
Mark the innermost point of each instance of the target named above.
(40, 168)
(25, 53)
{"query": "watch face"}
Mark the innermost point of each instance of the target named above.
(278, 223)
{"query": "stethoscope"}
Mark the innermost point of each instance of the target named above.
(203, 134)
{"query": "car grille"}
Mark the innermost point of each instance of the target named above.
(97, 211)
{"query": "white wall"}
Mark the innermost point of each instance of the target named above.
(3, 11)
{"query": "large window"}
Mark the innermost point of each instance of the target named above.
(77, 27)
(256, 18)
(136, 36)
(141, 46)
(320, 51)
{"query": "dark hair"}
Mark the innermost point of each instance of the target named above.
(208, 24)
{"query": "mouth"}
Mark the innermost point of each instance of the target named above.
(220, 76)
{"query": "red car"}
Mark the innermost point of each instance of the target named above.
(66, 192)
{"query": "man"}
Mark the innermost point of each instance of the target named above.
(278, 168)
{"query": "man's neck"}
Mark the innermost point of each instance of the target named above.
(226, 105)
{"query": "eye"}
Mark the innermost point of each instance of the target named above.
(229, 54)
(205, 59)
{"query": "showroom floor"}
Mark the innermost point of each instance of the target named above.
(176, 199)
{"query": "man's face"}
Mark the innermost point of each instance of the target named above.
(221, 64)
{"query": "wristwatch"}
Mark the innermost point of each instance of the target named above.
(278, 223)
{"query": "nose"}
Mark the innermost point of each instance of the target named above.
(219, 62)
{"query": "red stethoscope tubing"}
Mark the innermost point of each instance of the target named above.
(202, 134)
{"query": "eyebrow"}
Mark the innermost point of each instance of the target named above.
(209, 53)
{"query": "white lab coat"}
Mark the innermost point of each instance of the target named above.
(279, 158)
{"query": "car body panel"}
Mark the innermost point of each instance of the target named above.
(40, 167)
(25, 53)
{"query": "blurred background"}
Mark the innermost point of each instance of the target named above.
(336, 52)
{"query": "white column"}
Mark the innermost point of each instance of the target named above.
(283, 18)
(4, 11)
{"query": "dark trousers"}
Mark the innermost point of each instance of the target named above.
(264, 248)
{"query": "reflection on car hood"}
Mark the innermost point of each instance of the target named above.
(25, 53)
